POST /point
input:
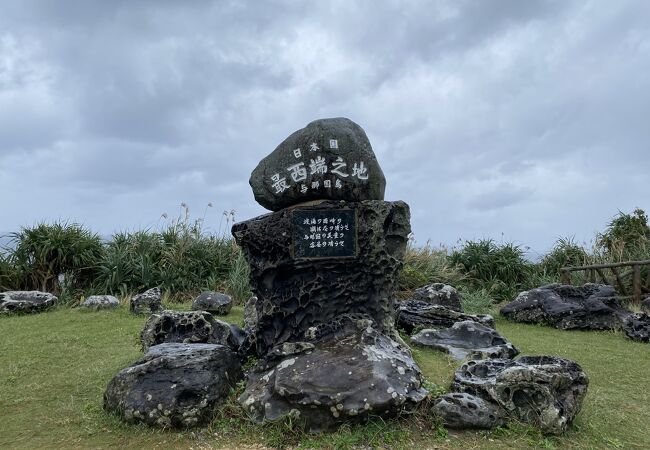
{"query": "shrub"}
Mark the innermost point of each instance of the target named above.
(498, 268)
(426, 265)
(626, 238)
(476, 301)
(566, 252)
(8, 274)
(45, 251)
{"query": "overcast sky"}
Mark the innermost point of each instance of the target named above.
(516, 120)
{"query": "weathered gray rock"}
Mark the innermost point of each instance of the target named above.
(543, 391)
(295, 294)
(213, 302)
(645, 305)
(440, 294)
(174, 385)
(592, 306)
(101, 302)
(637, 327)
(328, 159)
(465, 411)
(250, 313)
(412, 314)
(26, 302)
(467, 339)
(189, 327)
(148, 302)
(343, 371)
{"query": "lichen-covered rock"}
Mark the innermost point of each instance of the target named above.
(465, 411)
(343, 371)
(250, 313)
(101, 302)
(295, 294)
(189, 327)
(439, 294)
(645, 306)
(26, 302)
(637, 327)
(592, 306)
(174, 385)
(328, 159)
(148, 302)
(467, 339)
(543, 391)
(413, 314)
(213, 302)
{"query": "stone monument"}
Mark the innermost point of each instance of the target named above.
(324, 266)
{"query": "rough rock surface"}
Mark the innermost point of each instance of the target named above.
(440, 294)
(295, 294)
(26, 302)
(213, 302)
(328, 159)
(101, 302)
(544, 391)
(341, 371)
(174, 385)
(250, 313)
(148, 302)
(645, 305)
(462, 411)
(591, 306)
(637, 327)
(413, 314)
(189, 327)
(467, 339)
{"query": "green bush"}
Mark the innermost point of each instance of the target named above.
(566, 252)
(426, 265)
(45, 251)
(626, 238)
(500, 269)
(8, 274)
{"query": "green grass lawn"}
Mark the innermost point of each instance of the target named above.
(54, 368)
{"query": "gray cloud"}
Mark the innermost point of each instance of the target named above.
(496, 118)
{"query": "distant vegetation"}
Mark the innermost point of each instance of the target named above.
(181, 258)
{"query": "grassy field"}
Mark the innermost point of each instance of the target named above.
(54, 368)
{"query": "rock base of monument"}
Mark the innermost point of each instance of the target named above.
(310, 264)
(342, 371)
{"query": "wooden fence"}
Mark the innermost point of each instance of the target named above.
(635, 289)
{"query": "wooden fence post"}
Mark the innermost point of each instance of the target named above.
(565, 277)
(636, 284)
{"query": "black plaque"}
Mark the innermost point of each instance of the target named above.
(324, 233)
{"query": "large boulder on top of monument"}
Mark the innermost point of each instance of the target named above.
(342, 371)
(311, 264)
(412, 314)
(328, 159)
(591, 306)
(148, 302)
(174, 385)
(439, 294)
(213, 302)
(543, 391)
(467, 339)
(26, 302)
(637, 327)
(189, 327)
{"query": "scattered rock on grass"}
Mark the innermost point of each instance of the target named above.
(26, 302)
(440, 294)
(637, 327)
(174, 385)
(467, 339)
(543, 391)
(101, 302)
(465, 411)
(413, 314)
(189, 327)
(148, 302)
(213, 302)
